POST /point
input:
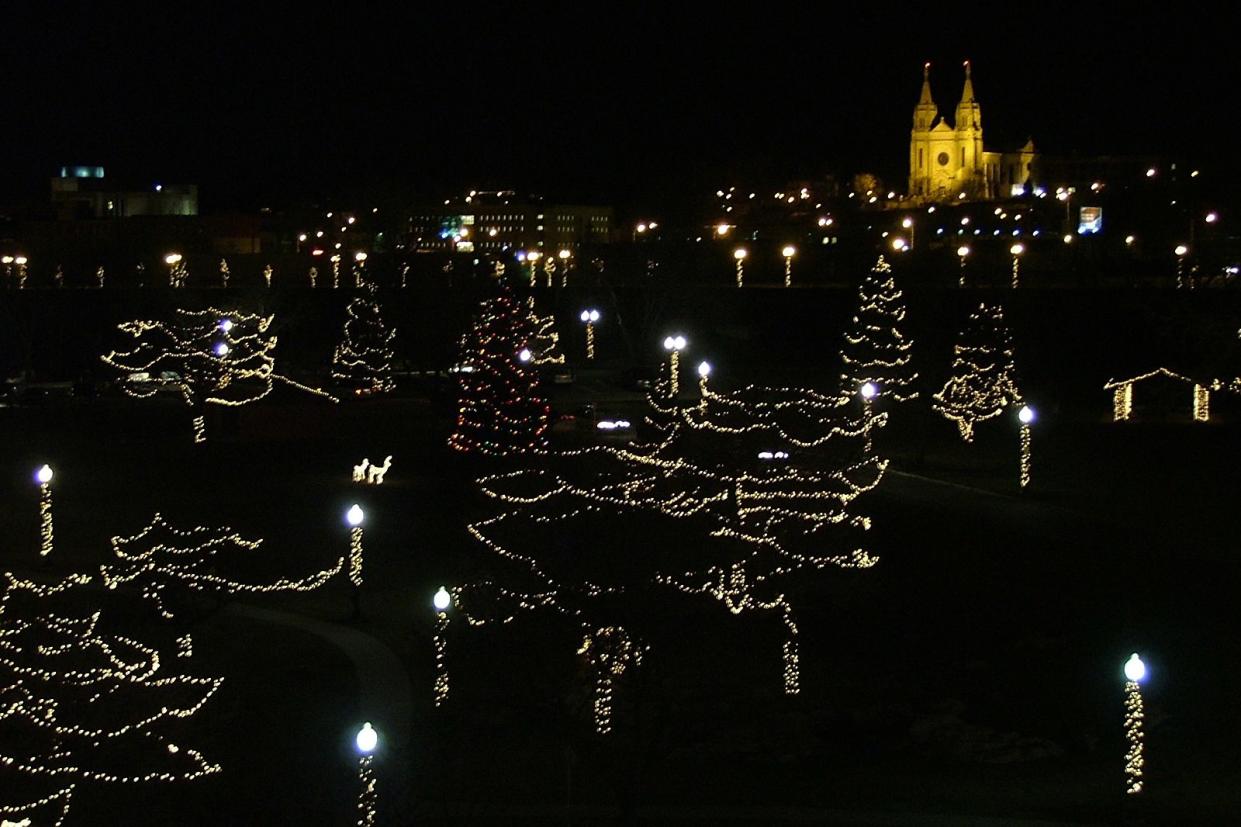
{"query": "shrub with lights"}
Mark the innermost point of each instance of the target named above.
(363, 358)
(80, 706)
(875, 349)
(500, 410)
(207, 357)
(983, 382)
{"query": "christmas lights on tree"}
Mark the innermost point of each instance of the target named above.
(364, 356)
(81, 706)
(875, 349)
(499, 408)
(160, 556)
(209, 357)
(983, 381)
(544, 341)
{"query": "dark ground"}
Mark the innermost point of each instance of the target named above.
(973, 674)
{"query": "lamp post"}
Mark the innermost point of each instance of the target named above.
(442, 602)
(868, 392)
(899, 245)
(173, 260)
(359, 262)
(354, 517)
(1181, 251)
(1025, 416)
(704, 370)
(335, 271)
(1016, 250)
(963, 252)
(532, 258)
(44, 478)
(739, 254)
(565, 255)
(788, 252)
(367, 741)
(7, 261)
(674, 345)
(1135, 672)
(590, 317)
(21, 262)
(908, 224)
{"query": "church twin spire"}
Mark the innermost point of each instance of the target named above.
(968, 114)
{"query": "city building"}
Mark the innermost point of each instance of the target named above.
(949, 162)
(84, 192)
(503, 220)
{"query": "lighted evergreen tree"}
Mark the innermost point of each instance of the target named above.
(544, 340)
(983, 382)
(78, 705)
(364, 356)
(500, 410)
(875, 349)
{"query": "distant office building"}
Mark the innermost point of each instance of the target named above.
(502, 220)
(950, 162)
(84, 192)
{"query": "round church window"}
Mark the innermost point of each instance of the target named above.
(943, 159)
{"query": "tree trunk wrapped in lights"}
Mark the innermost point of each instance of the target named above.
(80, 706)
(364, 356)
(159, 557)
(983, 382)
(208, 357)
(875, 349)
(500, 411)
(737, 499)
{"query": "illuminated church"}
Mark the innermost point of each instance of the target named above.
(946, 161)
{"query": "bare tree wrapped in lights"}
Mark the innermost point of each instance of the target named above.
(544, 340)
(81, 706)
(209, 357)
(500, 410)
(875, 349)
(364, 356)
(159, 557)
(745, 491)
(983, 382)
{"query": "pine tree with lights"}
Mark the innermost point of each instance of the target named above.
(81, 706)
(364, 356)
(500, 411)
(983, 382)
(875, 349)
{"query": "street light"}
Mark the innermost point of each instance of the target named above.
(1181, 251)
(367, 740)
(704, 370)
(908, 224)
(1135, 673)
(524, 355)
(899, 245)
(963, 253)
(1025, 416)
(44, 477)
(674, 345)
(1016, 250)
(442, 601)
(532, 258)
(788, 252)
(354, 516)
(739, 254)
(590, 317)
(868, 392)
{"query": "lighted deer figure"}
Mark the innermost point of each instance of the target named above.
(375, 474)
(359, 471)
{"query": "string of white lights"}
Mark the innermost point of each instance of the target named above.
(875, 349)
(983, 384)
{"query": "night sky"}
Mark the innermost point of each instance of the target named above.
(623, 104)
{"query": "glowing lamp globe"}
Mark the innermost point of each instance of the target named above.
(525, 355)
(1017, 249)
(869, 391)
(907, 223)
(355, 515)
(44, 475)
(359, 256)
(442, 599)
(590, 315)
(789, 251)
(521, 255)
(674, 343)
(1135, 670)
(704, 369)
(739, 253)
(963, 251)
(1181, 250)
(226, 325)
(564, 254)
(899, 245)
(367, 739)
(1212, 217)
(221, 349)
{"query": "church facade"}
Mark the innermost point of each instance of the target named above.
(948, 162)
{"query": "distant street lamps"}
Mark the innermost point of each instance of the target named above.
(1181, 251)
(590, 317)
(739, 254)
(1025, 416)
(963, 252)
(44, 478)
(788, 252)
(674, 345)
(442, 602)
(1135, 672)
(367, 740)
(1016, 250)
